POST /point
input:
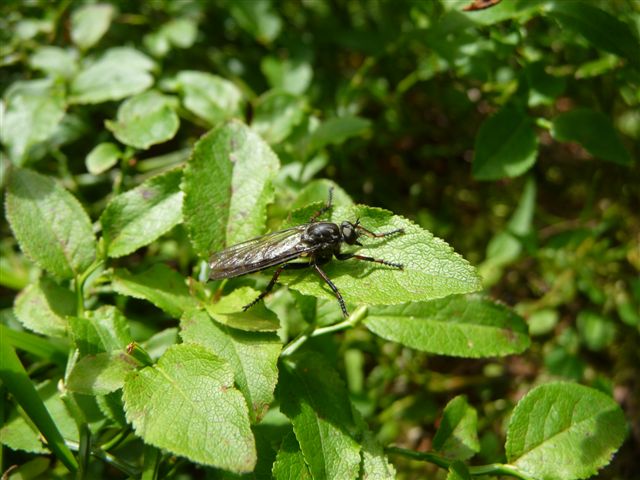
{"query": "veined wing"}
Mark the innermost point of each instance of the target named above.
(258, 253)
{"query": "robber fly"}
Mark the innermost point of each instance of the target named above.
(316, 241)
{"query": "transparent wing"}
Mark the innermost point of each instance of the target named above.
(259, 253)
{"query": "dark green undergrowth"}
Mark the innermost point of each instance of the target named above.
(139, 138)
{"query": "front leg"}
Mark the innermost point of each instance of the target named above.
(347, 256)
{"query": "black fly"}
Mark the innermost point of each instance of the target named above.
(318, 241)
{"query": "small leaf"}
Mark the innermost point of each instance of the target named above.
(554, 422)
(594, 131)
(138, 217)
(89, 23)
(313, 396)
(289, 464)
(506, 145)
(101, 373)
(160, 285)
(145, 120)
(596, 331)
(229, 173)
(457, 435)
(209, 97)
(181, 32)
(187, 404)
(253, 357)
(101, 330)
(258, 18)
(119, 73)
(55, 61)
(42, 307)
(600, 28)
(229, 311)
(276, 114)
(336, 131)
(431, 268)
(102, 157)
(49, 223)
(461, 326)
(31, 113)
(291, 75)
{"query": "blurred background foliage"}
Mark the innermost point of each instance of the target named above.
(407, 105)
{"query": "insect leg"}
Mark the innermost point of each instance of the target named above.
(347, 256)
(272, 282)
(369, 233)
(333, 287)
(324, 209)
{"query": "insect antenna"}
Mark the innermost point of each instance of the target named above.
(324, 209)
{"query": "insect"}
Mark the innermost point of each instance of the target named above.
(316, 241)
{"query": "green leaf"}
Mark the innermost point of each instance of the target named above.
(457, 435)
(290, 464)
(227, 186)
(258, 18)
(101, 330)
(55, 61)
(210, 97)
(229, 311)
(313, 396)
(187, 404)
(112, 407)
(253, 357)
(596, 331)
(160, 285)
(89, 23)
(520, 10)
(506, 145)
(460, 326)
(543, 87)
(102, 157)
(101, 373)
(600, 28)
(431, 268)
(31, 112)
(594, 131)
(119, 73)
(276, 114)
(317, 191)
(43, 307)
(49, 223)
(145, 120)
(336, 131)
(18, 433)
(458, 471)
(375, 464)
(138, 217)
(555, 421)
(291, 75)
(179, 32)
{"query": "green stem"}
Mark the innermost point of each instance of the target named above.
(108, 458)
(353, 319)
(80, 281)
(480, 470)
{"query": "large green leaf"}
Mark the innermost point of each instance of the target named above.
(43, 307)
(145, 120)
(506, 145)
(187, 404)
(50, 224)
(101, 330)
(564, 431)
(461, 326)
(431, 268)
(160, 285)
(600, 28)
(210, 97)
(252, 355)
(313, 396)
(89, 23)
(594, 131)
(30, 113)
(138, 217)
(227, 186)
(119, 73)
(290, 464)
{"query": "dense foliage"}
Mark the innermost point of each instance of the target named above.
(140, 137)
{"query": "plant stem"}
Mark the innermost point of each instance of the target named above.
(353, 319)
(480, 470)
(108, 458)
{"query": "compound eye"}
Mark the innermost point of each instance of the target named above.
(349, 233)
